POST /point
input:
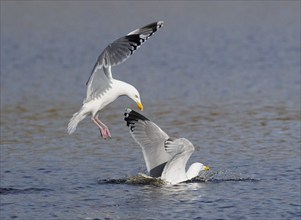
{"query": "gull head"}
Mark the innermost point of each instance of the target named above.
(133, 94)
(195, 169)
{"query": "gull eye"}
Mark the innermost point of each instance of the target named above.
(136, 96)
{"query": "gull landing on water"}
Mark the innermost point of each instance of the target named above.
(165, 157)
(102, 88)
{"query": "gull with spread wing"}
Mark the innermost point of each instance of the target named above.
(165, 157)
(102, 88)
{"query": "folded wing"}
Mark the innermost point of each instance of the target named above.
(180, 149)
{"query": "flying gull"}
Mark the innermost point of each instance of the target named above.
(165, 157)
(102, 88)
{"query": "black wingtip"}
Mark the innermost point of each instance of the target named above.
(166, 142)
(160, 23)
(155, 25)
(131, 114)
(131, 117)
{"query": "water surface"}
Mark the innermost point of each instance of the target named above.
(225, 75)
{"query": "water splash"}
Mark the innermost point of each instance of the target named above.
(226, 176)
(211, 176)
(140, 179)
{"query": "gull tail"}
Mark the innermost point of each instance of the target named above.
(77, 117)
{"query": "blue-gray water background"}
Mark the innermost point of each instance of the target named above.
(224, 74)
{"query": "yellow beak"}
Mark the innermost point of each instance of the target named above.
(140, 106)
(206, 168)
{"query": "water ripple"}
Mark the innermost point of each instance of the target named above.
(6, 191)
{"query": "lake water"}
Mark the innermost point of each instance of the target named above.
(225, 75)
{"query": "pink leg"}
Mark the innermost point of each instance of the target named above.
(105, 133)
(102, 130)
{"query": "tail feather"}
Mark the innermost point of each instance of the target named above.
(77, 117)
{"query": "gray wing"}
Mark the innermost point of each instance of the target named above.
(180, 150)
(122, 48)
(98, 85)
(151, 139)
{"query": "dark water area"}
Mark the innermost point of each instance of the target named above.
(225, 75)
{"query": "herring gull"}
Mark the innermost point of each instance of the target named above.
(165, 157)
(102, 88)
